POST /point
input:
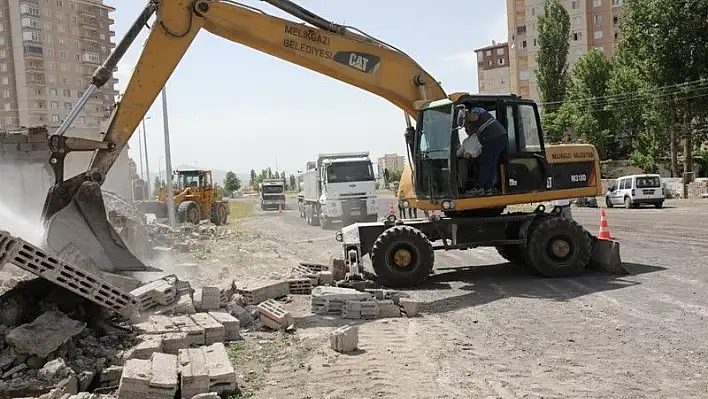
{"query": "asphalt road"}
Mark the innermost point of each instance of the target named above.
(492, 329)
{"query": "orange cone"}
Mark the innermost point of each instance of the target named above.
(280, 209)
(604, 233)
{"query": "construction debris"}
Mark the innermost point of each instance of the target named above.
(274, 316)
(344, 339)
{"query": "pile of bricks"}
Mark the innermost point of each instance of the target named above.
(169, 334)
(193, 371)
(370, 304)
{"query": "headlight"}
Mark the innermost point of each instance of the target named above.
(447, 205)
(405, 203)
(339, 237)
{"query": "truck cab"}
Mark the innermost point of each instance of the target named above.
(271, 194)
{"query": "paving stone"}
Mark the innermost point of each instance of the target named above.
(231, 325)
(213, 330)
(194, 372)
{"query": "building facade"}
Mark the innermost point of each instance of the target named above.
(493, 69)
(391, 162)
(593, 24)
(48, 51)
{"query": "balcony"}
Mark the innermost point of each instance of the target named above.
(89, 24)
(31, 1)
(88, 37)
(36, 81)
(31, 51)
(90, 58)
(111, 33)
(34, 67)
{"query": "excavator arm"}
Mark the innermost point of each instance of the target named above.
(334, 50)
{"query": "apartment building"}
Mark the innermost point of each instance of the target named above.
(48, 51)
(593, 23)
(391, 162)
(493, 69)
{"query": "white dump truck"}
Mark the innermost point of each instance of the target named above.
(271, 194)
(338, 188)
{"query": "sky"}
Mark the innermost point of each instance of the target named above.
(234, 108)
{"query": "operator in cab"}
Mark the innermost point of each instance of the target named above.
(467, 154)
(494, 139)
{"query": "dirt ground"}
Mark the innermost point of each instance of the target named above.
(492, 330)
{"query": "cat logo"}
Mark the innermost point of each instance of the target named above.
(363, 62)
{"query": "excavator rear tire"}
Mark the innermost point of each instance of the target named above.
(220, 213)
(513, 253)
(188, 212)
(558, 247)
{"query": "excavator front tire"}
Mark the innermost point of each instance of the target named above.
(188, 212)
(219, 213)
(402, 257)
(558, 247)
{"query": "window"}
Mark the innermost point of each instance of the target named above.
(31, 36)
(48, 26)
(2, 40)
(524, 44)
(54, 93)
(5, 80)
(60, 16)
(102, 36)
(67, 105)
(520, 30)
(577, 36)
(535, 43)
(29, 9)
(576, 20)
(65, 67)
(66, 92)
(6, 94)
(648, 182)
(6, 107)
(2, 27)
(527, 130)
(60, 3)
(480, 57)
(575, 4)
(49, 38)
(74, 20)
(597, 34)
(501, 61)
(40, 105)
(61, 28)
(597, 19)
(77, 45)
(579, 52)
(92, 57)
(488, 53)
(616, 3)
(596, 3)
(73, 5)
(524, 75)
(30, 22)
(500, 51)
(534, 11)
(615, 20)
(489, 62)
(3, 67)
(37, 91)
(54, 105)
(62, 43)
(47, 12)
(3, 54)
(53, 66)
(50, 52)
(63, 55)
(65, 80)
(55, 118)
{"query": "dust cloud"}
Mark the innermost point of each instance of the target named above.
(14, 223)
(24, 189)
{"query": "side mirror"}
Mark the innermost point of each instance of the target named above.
(461, 117)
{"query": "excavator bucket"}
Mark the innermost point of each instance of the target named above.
(605, 257)
(82, 228)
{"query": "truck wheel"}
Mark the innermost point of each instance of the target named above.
(608, 202)
(558, 247)
(514, 254)
(627, 202)
(659, 205)
(402, 257)
(220, 214)
(188, 211)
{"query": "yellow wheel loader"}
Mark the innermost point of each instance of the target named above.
(195, 198)
(402, 252)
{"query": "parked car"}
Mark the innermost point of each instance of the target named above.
(635, 190)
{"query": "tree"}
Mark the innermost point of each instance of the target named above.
(585, 109)
(231, 182)
(254, 176)
(552, 57)
(394, 175)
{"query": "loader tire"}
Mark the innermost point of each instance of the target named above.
(188, 212)
(558, 247)
(514, 254)
(402, 257)
(219, 213)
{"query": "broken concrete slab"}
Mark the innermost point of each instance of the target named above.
(144, 350)
(213, 330)
(274, 316)
(207, 298)
(222, 377)
(135, 381)
(244, 316)
(410, 307)
(194, 372)
(231, 325)
(110, 376)
(45, 334)
(163, 376)
(54, 370)
(345, 339)
(173, 342)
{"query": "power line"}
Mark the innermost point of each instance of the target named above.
(639, 100)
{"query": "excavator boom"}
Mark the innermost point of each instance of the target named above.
(72, 209)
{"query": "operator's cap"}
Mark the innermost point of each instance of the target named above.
(475, 113)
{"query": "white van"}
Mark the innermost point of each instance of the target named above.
(635, 190)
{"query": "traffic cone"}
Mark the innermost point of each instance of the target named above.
(280, 209)
(604, 233)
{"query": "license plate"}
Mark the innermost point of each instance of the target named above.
(647, 192)
(355, 213)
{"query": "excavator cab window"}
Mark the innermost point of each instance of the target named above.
(432, 150)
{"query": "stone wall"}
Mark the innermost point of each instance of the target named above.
(25, 174)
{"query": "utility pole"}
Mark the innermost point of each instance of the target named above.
(168, 161)
(147, 163)
(140, 154)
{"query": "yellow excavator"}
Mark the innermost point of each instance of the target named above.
(401, 251)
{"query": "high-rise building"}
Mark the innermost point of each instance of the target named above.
(493, 69)
(48, 51)
(391, 162)
(593, 23)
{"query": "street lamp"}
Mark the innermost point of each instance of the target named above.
(147, 163)
(168, 161)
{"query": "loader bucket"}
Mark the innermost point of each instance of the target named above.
(605, 257)
(82, 226)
